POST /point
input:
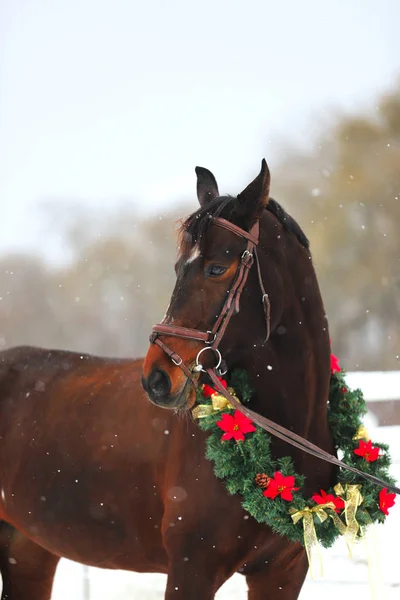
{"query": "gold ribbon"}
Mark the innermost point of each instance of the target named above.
(352, 500)
(362, 434)
(339, 491)
(310, 536)
(338, 522)
(218, 403)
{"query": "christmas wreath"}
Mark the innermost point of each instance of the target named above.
(270, 488)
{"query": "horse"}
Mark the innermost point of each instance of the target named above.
(100, 459)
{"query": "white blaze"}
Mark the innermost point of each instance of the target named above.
(195, 253)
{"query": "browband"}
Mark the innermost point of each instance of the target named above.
(252, 236)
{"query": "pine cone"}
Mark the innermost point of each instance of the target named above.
(262, 480)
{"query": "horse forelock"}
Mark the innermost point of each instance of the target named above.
(193, 228)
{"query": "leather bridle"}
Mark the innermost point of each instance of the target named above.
(212, 340)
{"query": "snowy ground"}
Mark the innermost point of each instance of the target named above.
(343, 576)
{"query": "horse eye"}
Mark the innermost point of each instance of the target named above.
(215, 270)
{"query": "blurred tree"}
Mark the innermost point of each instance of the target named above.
(117, 284)
(346, 194)
(26, 310)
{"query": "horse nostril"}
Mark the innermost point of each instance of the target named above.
(159, 383)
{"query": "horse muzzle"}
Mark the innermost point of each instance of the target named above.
(165, 383)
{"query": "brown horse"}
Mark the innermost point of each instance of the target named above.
(92, 471)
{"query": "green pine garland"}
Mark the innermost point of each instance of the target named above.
(238, 463)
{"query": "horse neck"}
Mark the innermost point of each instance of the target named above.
(290, 374)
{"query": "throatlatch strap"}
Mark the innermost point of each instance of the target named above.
(265, 298)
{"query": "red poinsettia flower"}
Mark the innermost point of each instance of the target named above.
(235, 426)
(208, 391)
(367, 451)
(386, 500)
(282, 486)
(335, 366)
(324, 498)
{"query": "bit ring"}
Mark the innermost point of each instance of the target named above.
(199, 366)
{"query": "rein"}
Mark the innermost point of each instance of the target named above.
(293, 438)
(213, 338)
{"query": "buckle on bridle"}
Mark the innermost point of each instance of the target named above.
(223, 369)
(199, 366)
(214, 338)
(247, 258)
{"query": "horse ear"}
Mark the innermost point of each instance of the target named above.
(207, 188)
(252, 201)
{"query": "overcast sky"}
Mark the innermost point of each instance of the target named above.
(108, 99)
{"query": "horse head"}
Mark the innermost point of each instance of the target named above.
(211, 254)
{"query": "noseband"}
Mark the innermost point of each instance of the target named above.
(212, 339)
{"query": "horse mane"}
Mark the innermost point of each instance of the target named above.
(289, 224)
(193, 228)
